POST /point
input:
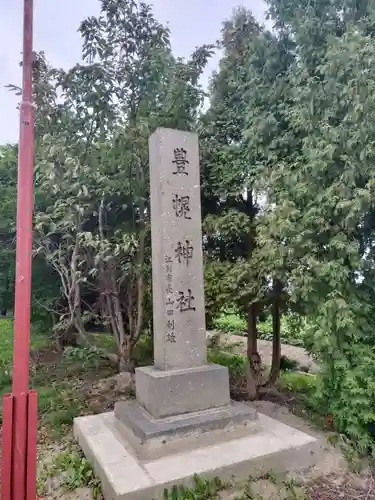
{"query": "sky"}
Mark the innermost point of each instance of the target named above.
(192, 23)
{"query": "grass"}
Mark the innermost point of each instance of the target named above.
(202, 490)
(252, 489)
(6, 341)
(71, 470)
(6, 352)
(58, 381)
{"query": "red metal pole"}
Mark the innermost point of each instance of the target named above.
(7, 448)
(25, 205)
(31, 459)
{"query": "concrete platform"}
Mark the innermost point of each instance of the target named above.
(153, 438)
(275, 447)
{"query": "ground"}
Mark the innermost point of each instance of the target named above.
(297, 354)
(81, 382)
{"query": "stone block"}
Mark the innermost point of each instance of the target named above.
(164, 393)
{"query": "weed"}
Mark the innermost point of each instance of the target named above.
(88, 357)
(202, 490)
(272, 486)
(76, 472)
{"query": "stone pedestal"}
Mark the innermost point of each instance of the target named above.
(165, 393)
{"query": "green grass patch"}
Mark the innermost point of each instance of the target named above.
(73, 471)
(59, 404)
(202, 490)
(37, 341)
(236, 363)
(230, 322)
(292, 326)
(59, 383)
(297, 382)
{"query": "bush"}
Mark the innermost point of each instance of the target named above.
(293, 327)
(342, 335)
(143, 353)
(230, 322)
(235, 363)
(297, 382)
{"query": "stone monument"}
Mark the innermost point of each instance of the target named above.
(180, 384)
(182, 422)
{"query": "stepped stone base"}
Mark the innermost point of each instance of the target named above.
(125, 476)
(153, 438)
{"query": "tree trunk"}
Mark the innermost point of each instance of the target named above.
(65, 338)
(253, 370)
(276, 340)
(125, 357)
(80, 328)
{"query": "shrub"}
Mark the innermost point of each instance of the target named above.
(298, 382)
(293, 326)
(235, 363)
(230, 322)
(143, 353)
(342, 335)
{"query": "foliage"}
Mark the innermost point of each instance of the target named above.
(76, 472)
(8, 196)
(235, 363)
(318, 222)
(72, 471)
(293, 327)
(93, 122)
(243, 131)
(88, 357)
(298, 383)
(230, 322)
(287, 170)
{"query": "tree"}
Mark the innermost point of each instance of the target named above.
(95, 150)
(319, 221)
(8, 196)
(239, 130)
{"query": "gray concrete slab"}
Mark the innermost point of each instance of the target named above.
(275, 447)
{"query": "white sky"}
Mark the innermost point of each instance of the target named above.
(192, 23)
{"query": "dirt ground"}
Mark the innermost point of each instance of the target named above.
(330, 479)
